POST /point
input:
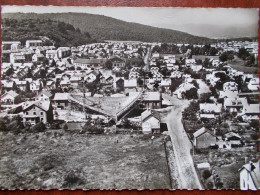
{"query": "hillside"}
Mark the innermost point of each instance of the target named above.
(59, 33)
(107, 28)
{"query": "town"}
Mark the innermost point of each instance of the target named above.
(204, 97)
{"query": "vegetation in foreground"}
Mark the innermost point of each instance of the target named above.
(62, 159)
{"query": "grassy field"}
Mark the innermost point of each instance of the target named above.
(59, 159)
(238, 64)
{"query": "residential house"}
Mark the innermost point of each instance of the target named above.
(168, 58)
(250, 112)
(11, 45)
(44, 96)
(203, 138)
(21, 85)
(91, 76)
(17, 58)
(232, 140)
(38, 111)
(65, 84)
(152, 100)
(75, 81)
(37, 57)
(210, 108)
(235, 104)
(196, 68)
(117, 62)
(33, 43)
(50, 85)
(118, 83)
(89, 63)
(253, 84)
(63, 52)
(35, 86)
(166, 84)
(61, 101)
(8, 97)
(189, 62)
(151, 121)
(228, 94)
(51, 54)
(133, 75)
(7, 85)
(250, 176)
(130, 85)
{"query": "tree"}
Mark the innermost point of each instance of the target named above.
(213, 51)
(223, 57)
(65, 127)
(243, 53)
(42, 74)
(39, 127)
(45, 61)
(53, 63)
(10, 71)
(108, 65)
(206, 174)
(140, 81)
(191, 94)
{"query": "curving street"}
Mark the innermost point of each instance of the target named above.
(188, 178)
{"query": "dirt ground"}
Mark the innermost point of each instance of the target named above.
(59, 159)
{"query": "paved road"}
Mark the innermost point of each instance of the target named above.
(181, 145)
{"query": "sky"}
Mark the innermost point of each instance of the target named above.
(169, 18)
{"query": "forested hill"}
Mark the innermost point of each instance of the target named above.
(59, 33)
(106, 28)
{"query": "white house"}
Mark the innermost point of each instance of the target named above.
(253, 84)
(250, 176)
(33, 43)
(151, 121)
(130, 85)
(37, 57)
(9, 97)
(43, 96)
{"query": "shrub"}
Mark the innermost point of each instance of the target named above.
(39, 127)
(65, 127)
(210, 185)
(73, 178)
(206, 174)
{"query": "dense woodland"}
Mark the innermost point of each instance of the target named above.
(56, 33)
(106, 28)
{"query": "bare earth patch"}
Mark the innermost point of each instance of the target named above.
(59, 159)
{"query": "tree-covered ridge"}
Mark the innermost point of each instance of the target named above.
(59, 33)
(106, 28)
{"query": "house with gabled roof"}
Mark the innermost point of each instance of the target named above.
(204, 138)
(37, 111)
(9, 97)
(61, 100)
(130, 85)
(151, 121)
(44, 96)
(250, 176)
(152, 100)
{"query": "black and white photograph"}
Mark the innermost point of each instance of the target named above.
(129, 98)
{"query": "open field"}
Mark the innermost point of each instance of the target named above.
(59, 159)
(239, 65)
